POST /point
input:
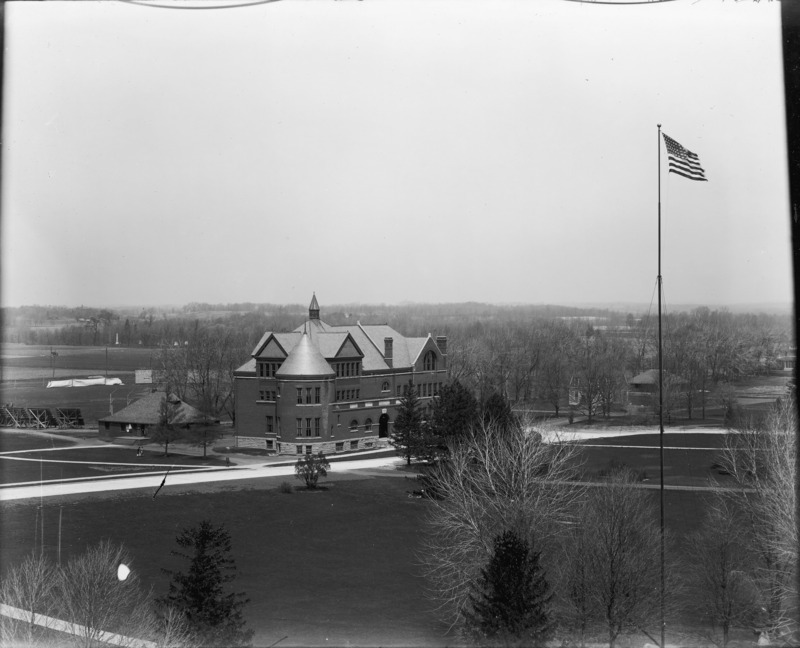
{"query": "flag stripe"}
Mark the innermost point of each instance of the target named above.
(682, 161)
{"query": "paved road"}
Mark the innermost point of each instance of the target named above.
(153, 480)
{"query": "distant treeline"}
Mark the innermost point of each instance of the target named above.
(558, 356)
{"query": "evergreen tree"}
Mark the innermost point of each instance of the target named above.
(497, 413)
(408, 424)
(455, 411)
(213, 614)
(509, 602)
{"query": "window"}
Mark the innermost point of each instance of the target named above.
(299, 427)
(354, 445)
(368, 425)
(309, 449)
(269, 425)
(299, 396)
(308, 395)
(308, 427)
(398, 390)
(316, 394)
(429, 363)
(270, 444)
(353, 425)
(299, 449)
(339, 446)
(316, 427)
(385, 386)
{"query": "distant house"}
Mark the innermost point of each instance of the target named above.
(787, 362)
(145, 413)
(642, 394)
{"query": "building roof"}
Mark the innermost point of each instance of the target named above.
(147, 410)
(649, 377)
(305, 359)
(328, 341)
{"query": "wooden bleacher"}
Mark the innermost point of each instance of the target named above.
(40, 417)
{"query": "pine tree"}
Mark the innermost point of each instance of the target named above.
(509, 601)
(455, 411)
(214, 615)
(408, 424)
(497, 413)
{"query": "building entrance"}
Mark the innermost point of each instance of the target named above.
(383, 426)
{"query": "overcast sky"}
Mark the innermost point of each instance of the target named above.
(390, 151)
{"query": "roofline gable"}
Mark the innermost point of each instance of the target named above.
(261, 347)
(352, 340)
(423, 347)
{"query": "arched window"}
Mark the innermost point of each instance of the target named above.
(368, 425)
(354, 426)
(385, 386)
(429, 363)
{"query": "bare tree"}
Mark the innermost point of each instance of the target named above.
(165, 431)
(90, 594)
(613, 568)
(719, 576)
(494, 481)
(29, 587)
(762, 463)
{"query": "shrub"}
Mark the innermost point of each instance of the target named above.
(310, 468)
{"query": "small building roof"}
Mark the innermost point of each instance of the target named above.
(147, 410)
(649, 377)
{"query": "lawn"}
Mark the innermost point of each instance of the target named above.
(27, 369)
(81, 462)
(333, 567)
(688, 458)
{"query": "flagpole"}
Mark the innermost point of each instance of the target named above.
(660, 395)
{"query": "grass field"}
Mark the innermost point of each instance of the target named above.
(27, 369)
(333, 567)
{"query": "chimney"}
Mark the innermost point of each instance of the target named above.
(388, 345)
(441, 342)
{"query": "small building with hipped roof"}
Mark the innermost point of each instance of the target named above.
(331, 388)
(146, 412)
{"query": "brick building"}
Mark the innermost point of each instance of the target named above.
(331, 388)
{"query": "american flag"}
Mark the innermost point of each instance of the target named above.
(682, 161)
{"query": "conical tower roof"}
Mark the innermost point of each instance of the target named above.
(305, 360)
